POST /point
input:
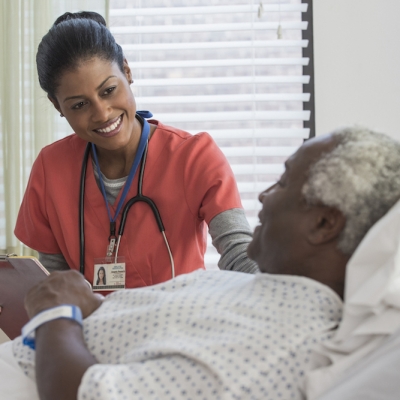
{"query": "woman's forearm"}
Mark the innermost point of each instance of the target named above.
(62, 358)
(53, 262)
(231, 235)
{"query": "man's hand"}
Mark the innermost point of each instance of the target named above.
(66, 287)
(62, 357)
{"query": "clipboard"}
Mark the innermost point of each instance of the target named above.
(17, 276)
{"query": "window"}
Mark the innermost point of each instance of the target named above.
(213, 65)
(233, 68)
(28, 121)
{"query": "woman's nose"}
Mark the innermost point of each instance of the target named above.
(100, 111)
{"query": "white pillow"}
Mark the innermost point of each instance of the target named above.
(372, 304)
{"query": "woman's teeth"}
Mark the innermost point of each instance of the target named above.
(111, 127)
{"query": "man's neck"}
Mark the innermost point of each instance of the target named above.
(329, 268)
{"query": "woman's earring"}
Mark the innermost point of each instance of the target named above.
(61, 115)
(131, 81)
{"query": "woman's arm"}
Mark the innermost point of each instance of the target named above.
(53, 262)
(231, 234)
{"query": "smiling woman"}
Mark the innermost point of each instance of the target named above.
(86, 77)
(97, 101)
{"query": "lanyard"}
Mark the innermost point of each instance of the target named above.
(139, 153)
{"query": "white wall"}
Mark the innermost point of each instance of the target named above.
(357, 64)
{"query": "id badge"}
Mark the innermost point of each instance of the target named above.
(108, 274)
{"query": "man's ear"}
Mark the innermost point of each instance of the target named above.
(55, 104)
(127, 71)
(327, 225)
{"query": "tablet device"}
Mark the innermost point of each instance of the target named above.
(17, 276)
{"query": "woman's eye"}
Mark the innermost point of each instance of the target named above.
(78, 105)
(109, 90)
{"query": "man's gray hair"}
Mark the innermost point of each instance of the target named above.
(360, 177)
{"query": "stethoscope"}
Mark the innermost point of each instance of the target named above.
(141, 156)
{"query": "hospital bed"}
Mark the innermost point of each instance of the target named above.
(363, 357)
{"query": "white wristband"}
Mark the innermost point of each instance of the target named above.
(68, 311)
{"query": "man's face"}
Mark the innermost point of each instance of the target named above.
(279, 243)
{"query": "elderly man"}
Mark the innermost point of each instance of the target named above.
(221, 334)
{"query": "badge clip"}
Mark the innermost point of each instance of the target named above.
(111, 247)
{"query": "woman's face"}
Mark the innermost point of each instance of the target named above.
(98, 103)
(101, 274)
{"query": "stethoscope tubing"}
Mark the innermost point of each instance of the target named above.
(82, 211)
(138, 198)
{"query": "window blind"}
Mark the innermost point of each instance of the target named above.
(233, 68)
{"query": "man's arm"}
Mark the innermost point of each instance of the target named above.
(62, 357)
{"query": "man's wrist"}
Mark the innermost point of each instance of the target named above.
(67, 311)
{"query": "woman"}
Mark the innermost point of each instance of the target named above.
(101, 277)
(77, 225)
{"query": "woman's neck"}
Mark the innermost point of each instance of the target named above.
(115, 164)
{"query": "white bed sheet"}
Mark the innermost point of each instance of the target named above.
(14, 384)
(374, 377)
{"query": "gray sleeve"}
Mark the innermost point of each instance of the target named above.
(231, 234)
(53, 262)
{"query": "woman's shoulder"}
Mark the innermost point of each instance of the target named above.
(178, 135)
(68, 146)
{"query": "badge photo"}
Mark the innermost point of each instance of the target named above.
(108, 275)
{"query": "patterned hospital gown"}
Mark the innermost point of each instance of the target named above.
(205, 335)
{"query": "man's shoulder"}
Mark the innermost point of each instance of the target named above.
(195, 282)
(202, 278)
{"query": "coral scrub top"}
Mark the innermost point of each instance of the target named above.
(187, 177)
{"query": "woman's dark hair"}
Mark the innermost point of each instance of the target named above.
(81, 15)
(74, 38)
(98, 277)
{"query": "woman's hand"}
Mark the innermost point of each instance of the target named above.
(64, 287)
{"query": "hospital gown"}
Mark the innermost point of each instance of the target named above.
(205, 335)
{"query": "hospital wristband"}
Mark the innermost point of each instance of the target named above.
(68, 311)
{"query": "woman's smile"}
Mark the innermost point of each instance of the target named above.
(98, 103)
(110, 129)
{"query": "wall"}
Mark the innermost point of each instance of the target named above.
(357, 64)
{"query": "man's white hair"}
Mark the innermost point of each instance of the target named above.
(360, 177)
